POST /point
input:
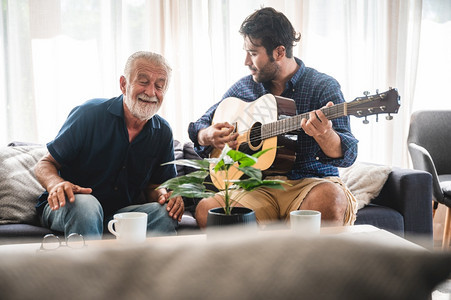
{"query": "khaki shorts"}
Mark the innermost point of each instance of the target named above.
(273, 204)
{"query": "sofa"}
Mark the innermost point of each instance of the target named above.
(402, 204)
(327, 267)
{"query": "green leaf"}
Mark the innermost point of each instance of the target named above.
(224, 152)
(243, 159)
(260, 153)
(192, 191)
(193, 163)
(197, 174)
(197, 177)
(220, 166)
(274, 184)
(192, 185)
(224, 161)
(252, 172)
(248, 184)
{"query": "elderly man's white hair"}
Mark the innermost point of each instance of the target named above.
(151, 57)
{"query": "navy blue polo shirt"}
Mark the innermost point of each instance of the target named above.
(94, 151)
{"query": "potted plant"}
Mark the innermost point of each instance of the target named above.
(223, 170)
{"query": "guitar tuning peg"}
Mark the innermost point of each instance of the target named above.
(389, 117)
(366, 93)
(366, 121)
(377, 117)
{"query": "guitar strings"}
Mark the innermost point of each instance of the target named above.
(292, 123)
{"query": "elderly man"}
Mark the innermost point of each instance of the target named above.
(107, 157)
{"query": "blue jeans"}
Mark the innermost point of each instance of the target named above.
(85, 216)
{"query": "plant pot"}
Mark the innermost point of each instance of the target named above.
(241, 216)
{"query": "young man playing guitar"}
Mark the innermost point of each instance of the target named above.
(322, 145)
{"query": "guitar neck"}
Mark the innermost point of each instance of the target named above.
(293, 123)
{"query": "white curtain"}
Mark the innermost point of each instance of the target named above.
(56, 54)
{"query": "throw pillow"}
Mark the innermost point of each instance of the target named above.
(189, 153)
(19, 189)
(365, 181)
(178, 154)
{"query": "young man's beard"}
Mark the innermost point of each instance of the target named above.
(143, 110)
(267, 72)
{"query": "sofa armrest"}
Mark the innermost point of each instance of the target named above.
(410, 193)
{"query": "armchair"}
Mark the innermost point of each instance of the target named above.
(429, 141)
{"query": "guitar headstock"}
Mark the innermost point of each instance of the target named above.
(381, 103)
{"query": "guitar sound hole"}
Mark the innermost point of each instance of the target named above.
(255, 136)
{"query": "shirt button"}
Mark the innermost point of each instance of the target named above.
(293, 90)
(317, 158)
(115, 188)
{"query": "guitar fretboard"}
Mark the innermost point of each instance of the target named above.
(293, 123)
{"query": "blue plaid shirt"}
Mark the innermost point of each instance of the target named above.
(310, 90)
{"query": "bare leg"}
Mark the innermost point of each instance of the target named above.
(330, 200)
(204, 206)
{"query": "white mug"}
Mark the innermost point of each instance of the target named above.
(129, 227)
(305, 222)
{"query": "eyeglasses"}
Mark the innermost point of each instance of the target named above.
(53, 242)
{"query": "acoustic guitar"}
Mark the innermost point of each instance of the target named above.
(271, 122)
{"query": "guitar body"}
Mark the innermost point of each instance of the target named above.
(247, 117)
(267, 122)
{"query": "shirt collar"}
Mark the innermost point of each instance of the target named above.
(116, 107)
(292, 82)
(299, 72)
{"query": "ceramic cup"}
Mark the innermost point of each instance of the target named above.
(129, 227)
(305, 222)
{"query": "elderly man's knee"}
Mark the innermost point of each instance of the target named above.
(87, 206)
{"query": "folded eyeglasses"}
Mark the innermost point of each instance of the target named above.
(53, 242)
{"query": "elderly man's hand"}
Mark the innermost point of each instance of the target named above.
(175, 206)
(61, 191)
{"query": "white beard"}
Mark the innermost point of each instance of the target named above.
(144, 107)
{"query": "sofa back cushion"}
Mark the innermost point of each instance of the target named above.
(19, 188)
(271, 265)
(178, 154)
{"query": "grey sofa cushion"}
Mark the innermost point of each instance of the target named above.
(382, 217)
(19, 188)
